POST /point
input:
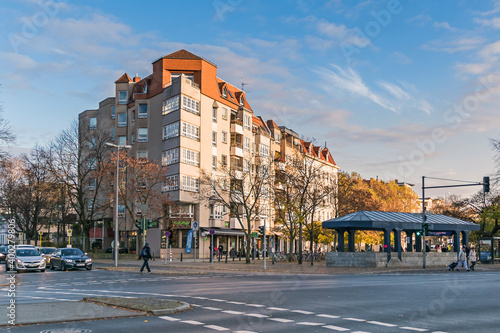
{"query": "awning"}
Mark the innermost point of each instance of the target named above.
(224, 231)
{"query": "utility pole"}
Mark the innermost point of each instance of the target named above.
(265, 245)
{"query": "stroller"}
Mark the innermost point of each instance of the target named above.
(452, 266)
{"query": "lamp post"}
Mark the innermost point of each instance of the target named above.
(116, 246)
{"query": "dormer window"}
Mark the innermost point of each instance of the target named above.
(146, 88)
(224, 92)
(242, 100)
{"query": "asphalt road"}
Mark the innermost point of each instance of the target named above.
(238, 302)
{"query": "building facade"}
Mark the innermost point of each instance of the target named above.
(191, 121)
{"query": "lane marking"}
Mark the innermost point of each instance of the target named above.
(282, 320)
(192, 322)
(244, 332)
(256, 305)
(381, 324)
(302, 312)
(277, 309)
(233, 302)
(327, 316)
(217, 328)
(415, 329)
(216, 300)
(336, 328)
(234, 312)
(354, 319)
(307, 323)
(256, 315)
(169, 318)
(211, 308)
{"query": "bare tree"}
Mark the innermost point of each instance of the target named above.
(6, 135)
(244, 190)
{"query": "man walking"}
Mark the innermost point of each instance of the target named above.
(462, 259)
(145, 255)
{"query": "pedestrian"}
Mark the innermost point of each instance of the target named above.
(472, 257)
(462, 259)
(221, 248)
(145, 255)
(438, 248)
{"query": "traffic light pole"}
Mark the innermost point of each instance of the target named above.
(423, 222)
(265, 245)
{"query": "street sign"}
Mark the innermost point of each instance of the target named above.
(255, 234)
(69, 232)
(195, 225)
(40, 233)
(167, 233)
(203, 234)
(212, 231)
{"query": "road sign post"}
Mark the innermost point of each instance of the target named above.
(167, 241)
(212, 232)
(195, 235)
(69, 233)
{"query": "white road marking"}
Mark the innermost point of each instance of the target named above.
(211, 308)
(336, 328)
(169, 318)
(199, 297)
(192, 322)
(302, 312)
(244, 332)
(256, 315)
(233, 302)
(327, 316)
(277, 309)
(234, 312)
(216, 300)
(256, 305)
(414, 329)
(307, 323)
(217, 328)
(282, 320)
(439, 332)
(354, 319)
(381, 324)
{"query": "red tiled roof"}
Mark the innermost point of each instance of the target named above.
(182, 54)
(124, 79)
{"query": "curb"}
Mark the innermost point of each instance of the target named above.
(184, 307)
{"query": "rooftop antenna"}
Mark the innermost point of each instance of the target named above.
(243, 84)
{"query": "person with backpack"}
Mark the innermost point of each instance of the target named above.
(145, 255)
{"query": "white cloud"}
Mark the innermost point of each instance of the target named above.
(341, 33)
(493, 22)
(475, 69)
(401, 58)
(394, 90)
(454, 45)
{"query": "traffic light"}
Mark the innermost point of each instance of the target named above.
(151, 224)
(418, 233)
(262, 230)
(425, 229)
(486, 184)
(138, 225)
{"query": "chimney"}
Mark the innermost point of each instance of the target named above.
(137, 78)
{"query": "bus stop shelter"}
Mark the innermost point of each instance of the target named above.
(394, 222)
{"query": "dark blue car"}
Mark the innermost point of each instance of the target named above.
(70, 258)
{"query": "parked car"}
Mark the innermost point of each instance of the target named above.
(47, 253)
(27, 259)
(70, 258)
(4, 251)
(120, 250)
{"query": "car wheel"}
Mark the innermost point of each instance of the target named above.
(63, 266)
(88, 268)
(51, 266)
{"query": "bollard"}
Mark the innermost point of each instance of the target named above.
(181, 256)
(240, 255)
(226, 257)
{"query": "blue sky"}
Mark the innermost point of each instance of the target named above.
(397, 89)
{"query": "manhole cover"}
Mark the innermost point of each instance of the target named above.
(67, 330)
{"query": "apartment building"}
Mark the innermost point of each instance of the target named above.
(188, 119)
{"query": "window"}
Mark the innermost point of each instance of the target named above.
(214, 114)
(113, 112)
(112, 134)
(172, 183)
(133, 115)
(90, 204)
(214, 138)
(190, 105)
(224, 160)
(242, 100)
(277, 137)
(92, 143)
(190, 131)
(190, 157)
(122, 97)
(122, 140)
(214, 162)
(142, 156)
(263, 150)
(247, 144)
(143, 111)
(170, 131)
(132, 138)
(142, 135)
(170, 156)
(121, 210)
(92, 163)
(170, 104)
(224, 137)
(224, 92)
(190, 184)
(217, 211)
(247, 121)
(93, 123)
(246, 166)
(92, 183)
(122, 119)
(224, 113)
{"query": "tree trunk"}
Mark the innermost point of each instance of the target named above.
(311, 246)
(300, 244)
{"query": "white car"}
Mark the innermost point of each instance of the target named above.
(26, 259)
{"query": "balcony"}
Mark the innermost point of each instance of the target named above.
(236, 126)
(236, 151)
(213, 223)
(234, 223)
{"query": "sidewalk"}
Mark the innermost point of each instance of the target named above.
(202, 267)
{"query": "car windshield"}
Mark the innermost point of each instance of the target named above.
(48, 250)
(27, 253)
(4, 249)
(72, 252)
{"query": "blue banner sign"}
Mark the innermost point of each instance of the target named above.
(189, 241)
(440, 233)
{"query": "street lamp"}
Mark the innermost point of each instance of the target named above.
(116, 247)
